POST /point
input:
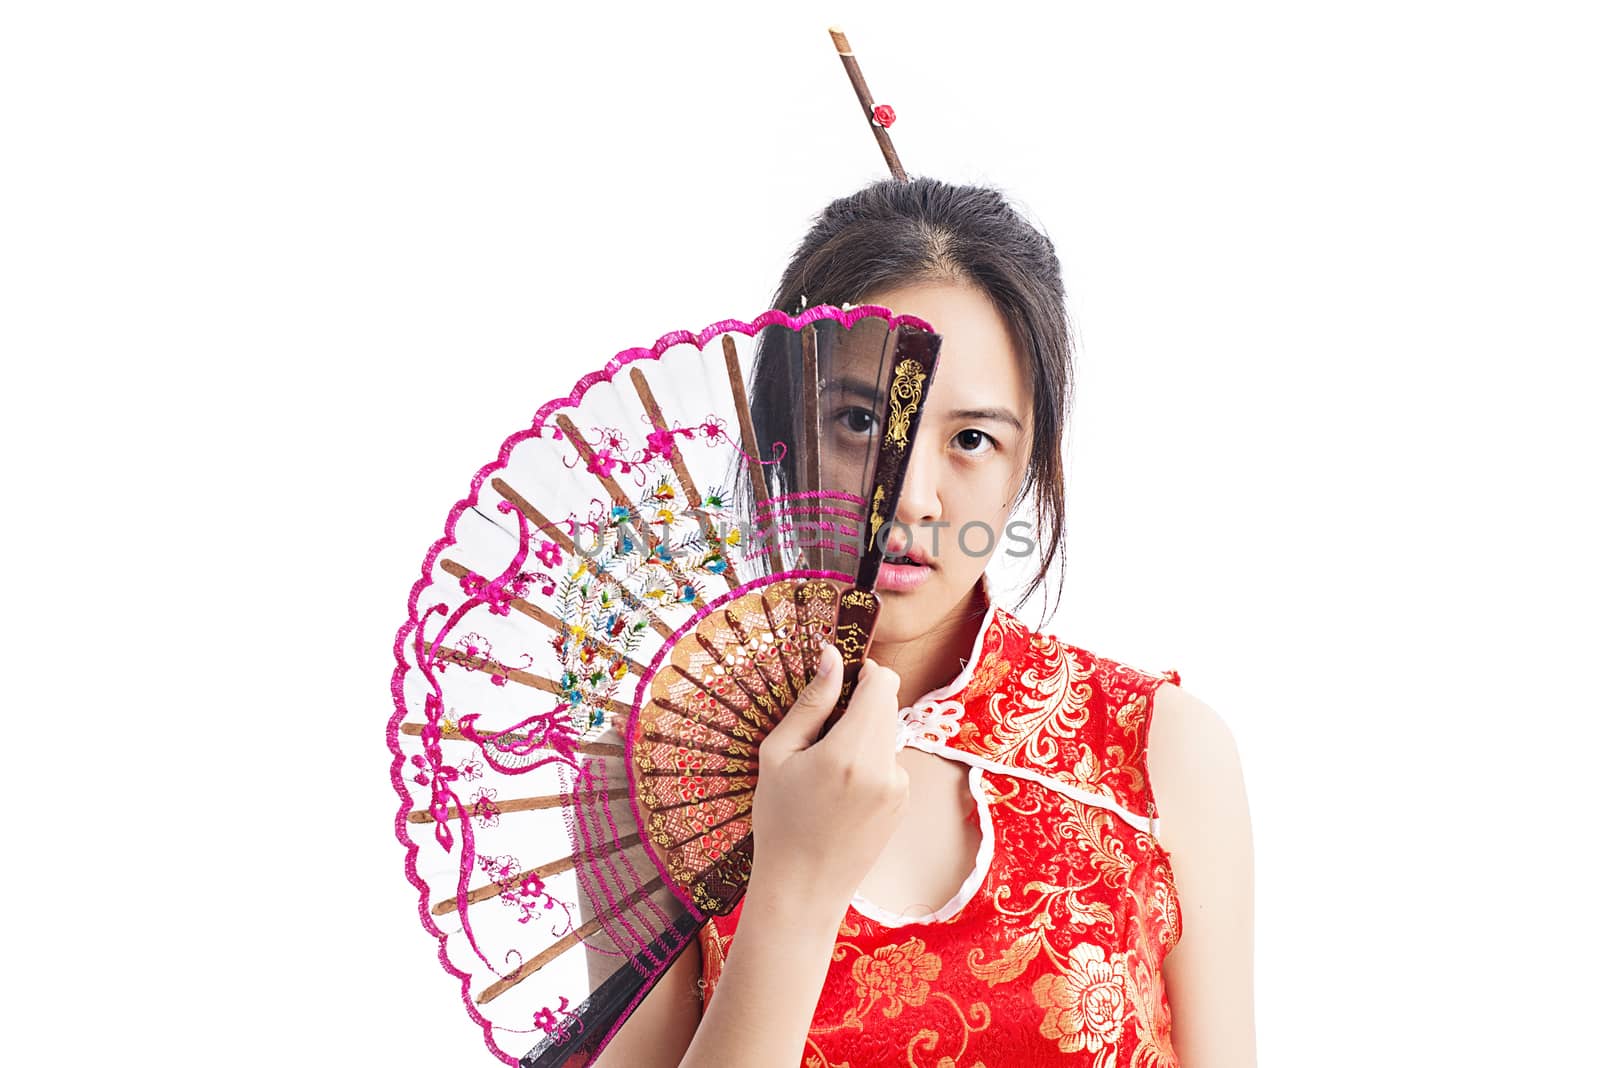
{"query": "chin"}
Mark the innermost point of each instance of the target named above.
(909, 615)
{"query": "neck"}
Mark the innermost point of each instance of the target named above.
(933, 658)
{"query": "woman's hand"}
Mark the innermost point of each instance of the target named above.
(825, 810)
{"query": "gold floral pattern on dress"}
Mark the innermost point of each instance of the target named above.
(1152, 1018)
(1057, 958)
(899, 973)
(1164, 907)
(1084, 1008)
(991, 670)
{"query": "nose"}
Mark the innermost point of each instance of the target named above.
(919, 493)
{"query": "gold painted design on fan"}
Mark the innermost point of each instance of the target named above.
(905, 396)
(851, 640)
(877, 516)
(733, 677)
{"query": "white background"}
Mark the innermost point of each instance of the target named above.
(277, 278)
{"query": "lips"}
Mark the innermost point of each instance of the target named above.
(903, 572)
(917, 557)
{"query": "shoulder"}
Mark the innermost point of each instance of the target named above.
(1196, 773)
(1192, 757)
(1205, 830)
(1188, 740)
(1038, 703)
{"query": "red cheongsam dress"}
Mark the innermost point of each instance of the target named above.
(1050, 953)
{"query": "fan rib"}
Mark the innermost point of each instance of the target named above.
(526, 678)
(752, 448)
(533, 611)
(755, 661)
(500, 986)
(796, 682)
(763, 725)
(527, 804)
(619, 496)
(740, 813)
(755, 701)
(520, 503)
(479, 894)
(641, 386)
(452, 734)
(667, 739)
(810, 431)
(689, 717)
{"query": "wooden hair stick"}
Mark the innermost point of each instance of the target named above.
(879, 130)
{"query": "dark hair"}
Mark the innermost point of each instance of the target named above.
(893, 233)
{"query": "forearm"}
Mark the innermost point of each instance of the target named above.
(762, 1008)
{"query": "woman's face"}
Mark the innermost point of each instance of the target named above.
(967, 464)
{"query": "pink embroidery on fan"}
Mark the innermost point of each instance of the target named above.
(417, 644)
(484, 809)
(659, 442)
(520, 890)
(545, 1020)
(601, 462)
(550, 734)
(550, 556)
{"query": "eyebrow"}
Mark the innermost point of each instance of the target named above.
(998, 415)
(860, 387)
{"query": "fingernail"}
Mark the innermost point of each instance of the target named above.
(825, 664)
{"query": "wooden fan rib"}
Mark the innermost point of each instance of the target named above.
(810, 430)
(743, 713)
(773, 689)
(520, 503)
(619, 496)
(689, 717)
(586, 453)
(796, 682)
(480, 894)
(527, 968)
(747, 436)
(766, 723)
(680, 743)
(641, 386)
(534, 612)
(529, 804)
(742, 812)
(601, 749)
(739, 788)
(527, 678)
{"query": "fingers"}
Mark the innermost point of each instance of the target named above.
(798, 729)
(872, 719)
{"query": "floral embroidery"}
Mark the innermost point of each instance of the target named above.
(1057, 957)
(899, 973)
(1084, 1009)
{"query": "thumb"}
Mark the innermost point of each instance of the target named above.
(799, 727)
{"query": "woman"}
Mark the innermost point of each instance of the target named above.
(1016, 790)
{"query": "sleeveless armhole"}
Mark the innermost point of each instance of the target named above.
(1154, 811)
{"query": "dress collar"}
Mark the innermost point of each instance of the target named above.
(935, 717)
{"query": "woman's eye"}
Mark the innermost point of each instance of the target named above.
(974, 441)
(856, 420)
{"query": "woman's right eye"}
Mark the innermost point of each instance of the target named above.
(856, 420)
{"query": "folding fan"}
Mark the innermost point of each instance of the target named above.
(627, 601)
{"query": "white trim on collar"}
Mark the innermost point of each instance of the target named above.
(934, 718)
